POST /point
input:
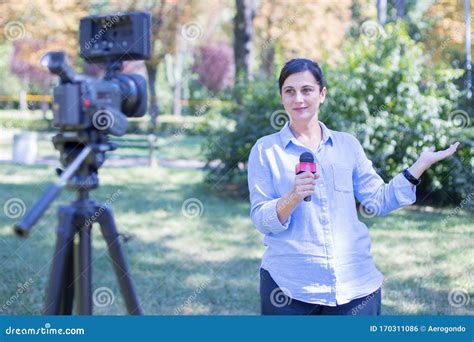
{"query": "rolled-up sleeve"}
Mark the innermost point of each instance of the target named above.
(263, 197)
(373, 192)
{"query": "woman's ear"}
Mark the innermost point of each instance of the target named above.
(322, 95)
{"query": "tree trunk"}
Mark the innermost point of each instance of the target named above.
(268, 49)
(152, 69)
(243, 36)
(178, 73)
(23, 101)
(467, 47)
(382, 12)
(400, 6)
(268, 60)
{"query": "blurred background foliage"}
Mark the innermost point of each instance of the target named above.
(396, 74)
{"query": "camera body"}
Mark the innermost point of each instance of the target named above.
(83, 103)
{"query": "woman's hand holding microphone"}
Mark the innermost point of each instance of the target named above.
(304, 186)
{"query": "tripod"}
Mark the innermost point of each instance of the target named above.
(71, 272)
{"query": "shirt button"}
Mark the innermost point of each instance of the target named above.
(321, 185)
(324, 208)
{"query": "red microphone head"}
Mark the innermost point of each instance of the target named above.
(306, 159)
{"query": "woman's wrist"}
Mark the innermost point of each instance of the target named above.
(418, 168)
(285, 205)
(287, 201)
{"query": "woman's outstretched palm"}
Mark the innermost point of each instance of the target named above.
(430, 156)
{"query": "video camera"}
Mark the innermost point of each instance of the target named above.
(83, 103)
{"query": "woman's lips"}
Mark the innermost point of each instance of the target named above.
(299, 110)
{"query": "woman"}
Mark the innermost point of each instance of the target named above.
(318, 258)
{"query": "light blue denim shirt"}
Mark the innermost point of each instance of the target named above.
(321, 254)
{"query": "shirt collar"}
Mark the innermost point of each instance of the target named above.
(286, 135)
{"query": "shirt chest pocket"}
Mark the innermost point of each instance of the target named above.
(342, 177)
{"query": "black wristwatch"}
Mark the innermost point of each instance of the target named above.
(411, 179)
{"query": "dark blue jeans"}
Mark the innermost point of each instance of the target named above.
(275, 302)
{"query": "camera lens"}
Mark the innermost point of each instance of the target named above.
(134, 94)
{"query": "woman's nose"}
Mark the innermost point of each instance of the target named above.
(299, 97)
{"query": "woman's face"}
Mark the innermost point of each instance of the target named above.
(301, 96)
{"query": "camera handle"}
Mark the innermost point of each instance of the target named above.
(24, 227)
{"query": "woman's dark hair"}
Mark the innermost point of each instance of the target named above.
(299, 65)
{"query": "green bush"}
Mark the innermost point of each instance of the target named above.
(235, 130)
(386, 93)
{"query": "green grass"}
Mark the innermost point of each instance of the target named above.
(209, 264)
(130, 145)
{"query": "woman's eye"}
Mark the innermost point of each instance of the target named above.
(307, 90)
(290, 91)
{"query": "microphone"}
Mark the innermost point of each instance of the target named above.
(306, 159)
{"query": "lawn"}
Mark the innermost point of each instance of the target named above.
(204, 258)
(167, 147)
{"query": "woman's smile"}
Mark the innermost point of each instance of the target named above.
(300, 109)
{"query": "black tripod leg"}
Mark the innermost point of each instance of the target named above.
(58, 301)
(67, 291)
(109, 231)
(83, 254)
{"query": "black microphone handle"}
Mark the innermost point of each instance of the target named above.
(307, 198)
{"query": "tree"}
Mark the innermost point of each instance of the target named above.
(214, 66)
(400, 7)
(281, 27)
(467, 22)
(243, 35)
(382, 11)
(58, 22)
(51, 23)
